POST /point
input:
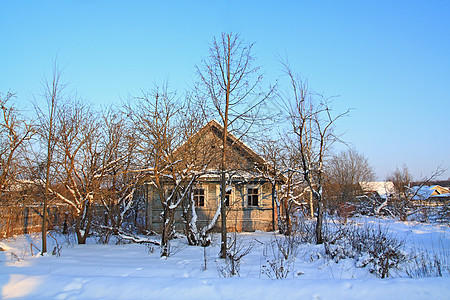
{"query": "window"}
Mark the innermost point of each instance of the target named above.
(252, 196)
(228, 194)
(199, 196)
(228, 197)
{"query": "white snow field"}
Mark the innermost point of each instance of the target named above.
(136, 271)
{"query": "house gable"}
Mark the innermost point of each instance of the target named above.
(208, 142)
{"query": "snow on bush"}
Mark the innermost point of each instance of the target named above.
(371, 246)
(279, 256)
(429, 263)
(236, 250)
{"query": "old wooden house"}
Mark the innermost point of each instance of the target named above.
(250, 190)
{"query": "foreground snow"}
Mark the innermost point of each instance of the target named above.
(131, 271)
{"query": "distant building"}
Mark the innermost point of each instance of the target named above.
(378, 189)
(434, 192)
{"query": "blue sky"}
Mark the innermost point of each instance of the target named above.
(387, 60)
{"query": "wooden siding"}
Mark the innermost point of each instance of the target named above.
(240, 216)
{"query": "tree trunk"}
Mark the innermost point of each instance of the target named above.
(81, 232)
(223, 245)
(83, 225)
(44, 223)
(319, 224)
(167, 231)
(273, 206)
(223, 208)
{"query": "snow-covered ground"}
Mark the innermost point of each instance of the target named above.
(135, 271)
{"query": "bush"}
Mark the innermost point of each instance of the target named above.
(371, 246)
(429, 264)
(305, 230)
(279, 256)
(236, 250)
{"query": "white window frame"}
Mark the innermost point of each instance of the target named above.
(205, 194)
(247, 195)
(232, 197)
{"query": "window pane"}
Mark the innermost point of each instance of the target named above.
(255, 200)
(199, 197)
(199, 191)
(252, 196)
(227, 198)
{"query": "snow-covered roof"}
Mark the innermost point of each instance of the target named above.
(424, 192)
(383, 188)
(421, 192)
(238, 175)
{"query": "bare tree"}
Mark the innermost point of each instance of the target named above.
(14, 132)
(280, 168)
(77, 161)
(229, 85)
(162, 127)
(198, 152)
(293, 196)
(401, 178)
(53, 90)
(292, 193)
(405, 195)
(344, 172)
(313, 123)
(273, 153)
(121, 180)
(81, 152)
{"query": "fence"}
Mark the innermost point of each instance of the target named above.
(27, 219)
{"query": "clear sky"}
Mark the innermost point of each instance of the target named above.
(387, 60)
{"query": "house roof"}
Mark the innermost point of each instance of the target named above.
(383, 188)
(424, 192)
(237, 142)
(234, 142)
